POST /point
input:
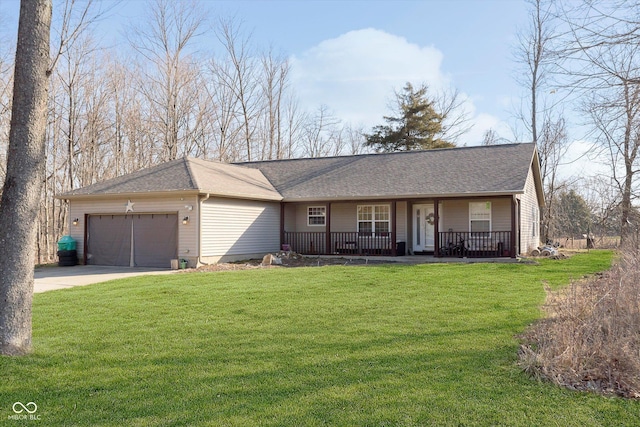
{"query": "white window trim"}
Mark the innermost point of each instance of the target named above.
(490, 215)
(323, 216)
(373, 219)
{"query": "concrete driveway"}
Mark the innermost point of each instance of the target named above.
(52, 278)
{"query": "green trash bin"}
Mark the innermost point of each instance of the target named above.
(67, 253)
(66, 243)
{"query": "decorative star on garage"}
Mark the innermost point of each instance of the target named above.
(129, 207)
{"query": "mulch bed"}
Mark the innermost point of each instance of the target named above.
(289, 259)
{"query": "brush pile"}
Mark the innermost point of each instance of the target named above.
(590, 339)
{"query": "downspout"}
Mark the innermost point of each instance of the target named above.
(436, 228)
(394, 229)
(515, 228)
(200, 229)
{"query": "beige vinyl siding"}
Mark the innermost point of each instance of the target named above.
(500, 214)
(530, 216)
(236, 227)
(187, 234)
(344, 217)
(455, 215)
(290, 217)
(401, 222)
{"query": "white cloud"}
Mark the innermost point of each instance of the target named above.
(355, 75)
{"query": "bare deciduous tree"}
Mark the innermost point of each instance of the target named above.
(544, 121)
(226, 104)
(294, 128)
(456, 119)
(535, 53)
(170, 71)
(603, 65)
(355, 138)
(241, 79)
(321, 135)
(490, 137)
(275, 72)
(552, 148)
(603, 200)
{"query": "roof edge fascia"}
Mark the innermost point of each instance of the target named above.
(407, 197)
(242, 196)
(128, 195)
(537, 175)
(157, 194)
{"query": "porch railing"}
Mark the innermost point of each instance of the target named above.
(450, 243)
(340, 243)
(307, 243)
(482, 244)
(353, 243)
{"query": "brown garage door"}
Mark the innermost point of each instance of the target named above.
(140, 240)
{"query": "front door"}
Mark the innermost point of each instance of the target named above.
(423, 228)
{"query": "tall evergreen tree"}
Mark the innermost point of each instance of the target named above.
(416, 126)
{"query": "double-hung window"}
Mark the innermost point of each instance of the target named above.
(479, 216)
(374, 220)
(316, 215)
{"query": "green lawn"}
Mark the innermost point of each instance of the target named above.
(341, 346)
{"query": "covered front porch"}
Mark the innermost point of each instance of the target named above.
(462, 228)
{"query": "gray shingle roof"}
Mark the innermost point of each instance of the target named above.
(465, 171)
(187, 174)
(482, 170)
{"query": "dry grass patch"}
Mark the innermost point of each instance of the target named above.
(590, 339)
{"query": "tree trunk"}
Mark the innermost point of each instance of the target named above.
(25, 173)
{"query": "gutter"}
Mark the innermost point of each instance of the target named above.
(129, 195)
(168, 193)
(405, 197)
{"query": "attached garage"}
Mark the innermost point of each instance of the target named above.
(135, 240)
(188, 209)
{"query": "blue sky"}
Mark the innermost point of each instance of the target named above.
(352, 55)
